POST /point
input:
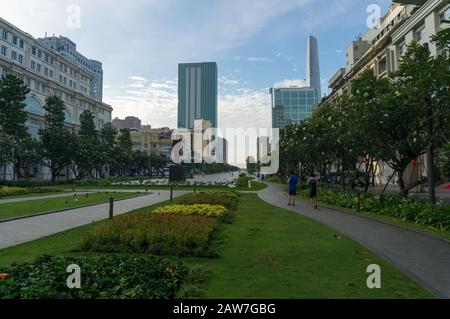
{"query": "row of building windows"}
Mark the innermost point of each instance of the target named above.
(14, 39)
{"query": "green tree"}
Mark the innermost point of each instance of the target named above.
(57, 141)
(13, 118)
(27, 154)
(123, 155)
(12, 106)
(418, 112)
(6, 145)
(87, 155)
(107, 147)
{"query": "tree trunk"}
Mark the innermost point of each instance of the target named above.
(401, 183)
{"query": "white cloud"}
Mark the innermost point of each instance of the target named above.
(138, 78)
(288, 83)
(156, 103)
(258, 59)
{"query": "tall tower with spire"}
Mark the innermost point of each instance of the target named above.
(312, 65)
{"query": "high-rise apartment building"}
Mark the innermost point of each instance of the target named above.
(197, 93)
(68, 49)
(293, 105)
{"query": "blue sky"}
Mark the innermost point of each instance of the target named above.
(256, 43)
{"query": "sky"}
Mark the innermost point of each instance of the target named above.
(256, 44)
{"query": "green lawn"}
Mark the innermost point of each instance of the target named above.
(269, 253)
(25, 208)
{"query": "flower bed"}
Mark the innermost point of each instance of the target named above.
(159, 234)
(12, 191)
(227, 200)
(405, 209)
(102, 277)
(195, 209)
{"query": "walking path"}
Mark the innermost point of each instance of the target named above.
(20, 231)
(37, 197)
(424, 258)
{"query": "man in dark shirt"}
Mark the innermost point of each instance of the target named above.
(312, 183)
(292, 181)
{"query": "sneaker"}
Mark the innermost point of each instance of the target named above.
(293, 204)
(289, 204)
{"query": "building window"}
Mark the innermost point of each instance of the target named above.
(14, 55)
(445, 15)
(51, 73)
(21, 44)
(5, 35)
(38, 67)
(46, 71)
(420, 34)
(20, 58)
(39, 54)
(4, 50)
(15, 40)
(33, 65)
(402, 48)
(33, 51)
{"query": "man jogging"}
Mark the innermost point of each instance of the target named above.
(292, 181)
(312, 183)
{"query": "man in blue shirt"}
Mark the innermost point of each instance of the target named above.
(293, 182)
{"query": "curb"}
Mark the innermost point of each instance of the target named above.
(67, 209)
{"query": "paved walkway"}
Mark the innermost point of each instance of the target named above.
(20, 231)
(424, 258)
(30, 198)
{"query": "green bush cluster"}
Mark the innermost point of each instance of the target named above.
(102, 277)
(17, 191)
(158, 234)
(228, 200)
(405, 209)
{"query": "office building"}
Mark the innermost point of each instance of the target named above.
(47, 72)
(294, 104)
(68, 49)
(130, 122)
(312, 65)
(197, 93)
(153, 141)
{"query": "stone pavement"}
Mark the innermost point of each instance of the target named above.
(20, 231)
(422, 257)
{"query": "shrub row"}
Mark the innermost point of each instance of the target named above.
(193, 209)
(406, 209)
(159, 234)
(16, 191)
(102, 277)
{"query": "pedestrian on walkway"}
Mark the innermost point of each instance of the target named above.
(312, 184)
(293, 182)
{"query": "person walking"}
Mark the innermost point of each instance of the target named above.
(293, 182)
(312, 184)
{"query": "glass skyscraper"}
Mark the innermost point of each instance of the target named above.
(295, 104)
(292, 105)
(197, 93)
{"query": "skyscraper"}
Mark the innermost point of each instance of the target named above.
(292, 105)
(312, 65)
(197, 93)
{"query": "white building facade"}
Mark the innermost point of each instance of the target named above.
(47, 72)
